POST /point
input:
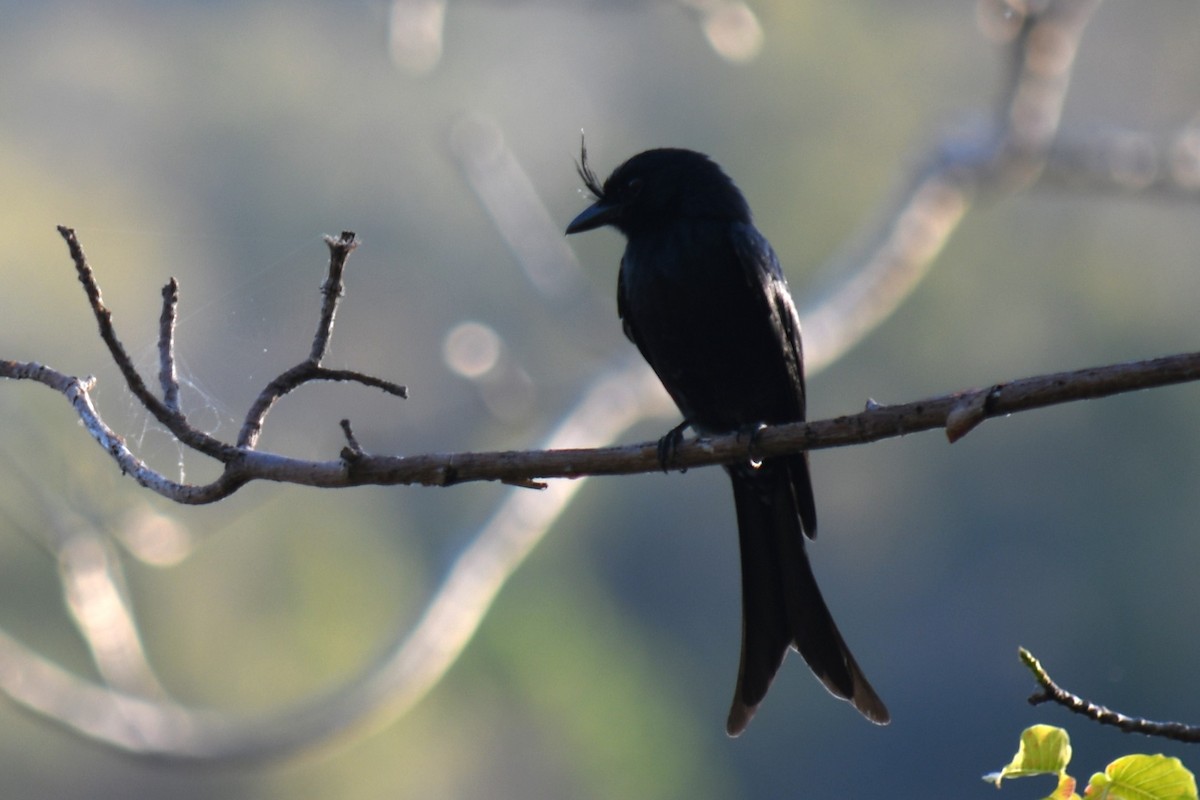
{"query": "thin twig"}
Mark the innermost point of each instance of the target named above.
(332, 291)
(1051, 692)
(353, 450)
(166, 346)
(354, 376)
(172, 421)
(333, 288)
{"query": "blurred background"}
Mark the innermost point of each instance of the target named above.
(217, 141)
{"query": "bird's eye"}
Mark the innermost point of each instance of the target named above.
(633, 186)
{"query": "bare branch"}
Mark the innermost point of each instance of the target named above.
(77, 392)
(874, 424)
(958, 411)
(1043, 44)
(95, 592)
(174, 421)
(166, 346)
(332, 290)
(294, 378)
(1128, 163)
(1052, 692)
(353, 449)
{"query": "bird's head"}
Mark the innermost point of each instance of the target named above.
(658, 188)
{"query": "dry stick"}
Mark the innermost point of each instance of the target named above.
(961, 410)
(1051, 692)
(957, 413)
(332, 290)
(167, 376)
(173, 421)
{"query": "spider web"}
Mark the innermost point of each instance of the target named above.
(225, 315)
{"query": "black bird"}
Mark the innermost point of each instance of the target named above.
(702, 295)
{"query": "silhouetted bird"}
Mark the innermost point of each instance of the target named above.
(701, 294)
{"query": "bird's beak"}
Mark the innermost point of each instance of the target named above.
(597, 215)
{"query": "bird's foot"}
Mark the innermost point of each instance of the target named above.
(668, 444)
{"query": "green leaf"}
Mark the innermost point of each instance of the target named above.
(1044, 750)
(1142, 777)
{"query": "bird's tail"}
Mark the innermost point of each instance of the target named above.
(781, 604)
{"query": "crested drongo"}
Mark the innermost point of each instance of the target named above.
(701, 294)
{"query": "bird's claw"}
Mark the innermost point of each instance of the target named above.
(668, 444)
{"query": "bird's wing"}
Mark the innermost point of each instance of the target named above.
(762, 272)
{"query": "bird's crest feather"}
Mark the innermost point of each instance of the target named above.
(585, 171)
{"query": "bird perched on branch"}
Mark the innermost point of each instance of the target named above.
(701, 294)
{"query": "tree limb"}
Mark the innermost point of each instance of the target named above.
(957, 413)
(1051, 692)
